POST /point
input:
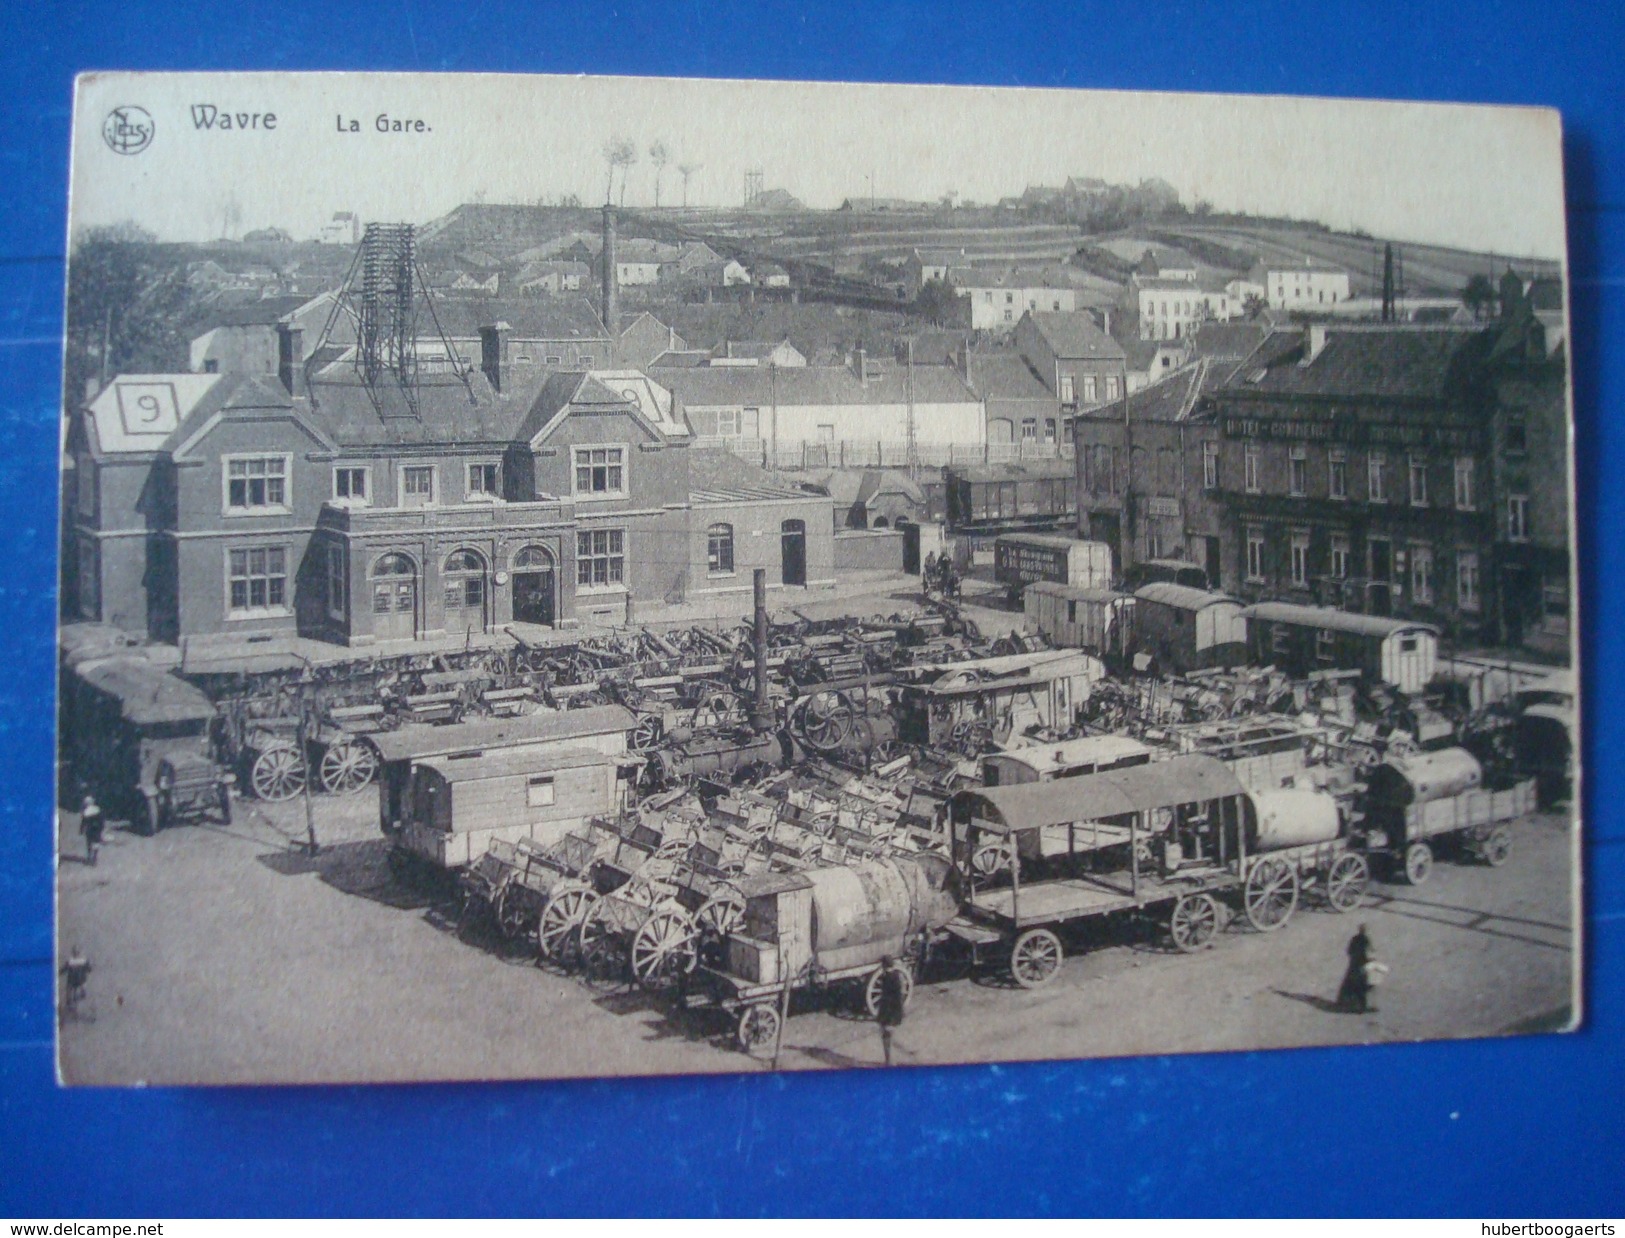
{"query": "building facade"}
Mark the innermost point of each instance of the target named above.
(236, 505)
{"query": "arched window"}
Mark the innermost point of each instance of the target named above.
(882, 523)
(465, 581)
(394, 565)
(534, 559)
(719, 554)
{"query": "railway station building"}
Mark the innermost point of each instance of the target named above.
(241, 506)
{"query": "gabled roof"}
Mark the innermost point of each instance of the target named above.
(1226, 341)
(1173, 398)
(263, 312)
(565, 391)
(1006, 376)
(1075, 336)
(708, 386)
(1140, 354)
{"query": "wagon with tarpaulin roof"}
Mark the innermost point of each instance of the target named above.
(1171, 841)
(142, 741)
(1420, 802)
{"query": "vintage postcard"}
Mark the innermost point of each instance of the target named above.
(590, 576)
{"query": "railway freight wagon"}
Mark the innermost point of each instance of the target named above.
(1304, 639)
(989, 499)
(1022, 559)
(1098, 620)
(1188, 629)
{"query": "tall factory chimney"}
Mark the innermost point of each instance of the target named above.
(610, 305)
(761, 714)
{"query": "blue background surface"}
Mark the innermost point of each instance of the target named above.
(1489, 1129)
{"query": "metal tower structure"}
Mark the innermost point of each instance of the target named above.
(753, 185)
(383, 295)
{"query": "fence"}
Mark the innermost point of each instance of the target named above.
(883, 453)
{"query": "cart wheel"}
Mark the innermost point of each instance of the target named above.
(1271, 894)
(646, 734)
(1036, 958)
(1496, 849)
(721, 914)
(1346, 882)
(758, 1027)
(1193, 923)
(278, 773)
(348, 765)
(871, 990)
(665, 948)
(558, 937)
(826, 720)
(1418, 863)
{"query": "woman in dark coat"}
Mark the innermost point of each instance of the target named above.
(1355, 994)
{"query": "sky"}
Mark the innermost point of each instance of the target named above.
(1482, 178)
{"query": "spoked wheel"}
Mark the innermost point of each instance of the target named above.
(278, 773)
(663, 949)
(1194, 922)
(1496, 849)
(348, 765)
(722, 913)
(1036, 958)
(558, 936)
(1271, 894)
(826, 720)
(512, 912)
(646, 734)
(1346, 882)
(758, 1028)
(871, 990)
(1418, 863)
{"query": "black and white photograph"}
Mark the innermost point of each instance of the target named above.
(590, 576)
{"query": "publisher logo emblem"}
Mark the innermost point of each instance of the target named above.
(128, 130)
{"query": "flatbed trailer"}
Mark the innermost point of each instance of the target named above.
(1168, 841)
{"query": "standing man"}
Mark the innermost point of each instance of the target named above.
(928, 571)
(91, 825)
(889, 1010)
(1355, 993)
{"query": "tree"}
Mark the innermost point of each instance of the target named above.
(1479, 295)
(124, 304)
(687, 170)
(659, 156)
(618, 153)
(938, 302)
(1253, 306)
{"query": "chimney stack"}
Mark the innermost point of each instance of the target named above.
(290, 358)
(495, 356)
(611, 304)
(1315, 342)
(761, 708)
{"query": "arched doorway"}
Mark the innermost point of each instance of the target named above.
(793, 552)
(534, 587)
(394, 597)
(464, 581)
